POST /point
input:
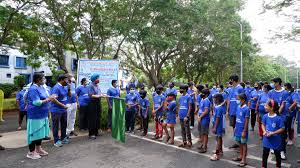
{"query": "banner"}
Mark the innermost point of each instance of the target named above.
(107, 69)
(118, 119)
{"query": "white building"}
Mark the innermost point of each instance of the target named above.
(13, 63)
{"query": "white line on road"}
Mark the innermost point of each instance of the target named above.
(183, 149)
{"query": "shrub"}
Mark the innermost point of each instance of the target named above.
(19, 81)
(8, 89)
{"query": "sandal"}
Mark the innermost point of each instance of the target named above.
(242, 164)
(200, 147)
(189, 145)
(168, 138)
(214, 157)
(182, 145)
(171, 143)
(237, 159)
(203, 150)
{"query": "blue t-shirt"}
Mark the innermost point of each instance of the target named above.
(19, 97)
(218, 113)
(113, 92)
(184, 102)
(36, 93)
(280, 97)
(248, 91)
(157, 102)
(93, 90)
(62, 97)
(190, 92)
(83, 97)
(204, 104)
(262, 100)
(241, 114)
(272, 123)
(213, 91)
(71, 99)
(232, 94)
(144, 103)
(131, 99)
(292, 97)
(171, 90)
(171, 113)
(254, 94)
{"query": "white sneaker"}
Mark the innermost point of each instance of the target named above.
(33, 155)
(282, 155)
(191, 127)
(290, 142)
(272, 151)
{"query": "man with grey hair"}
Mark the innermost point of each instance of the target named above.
(72, 106)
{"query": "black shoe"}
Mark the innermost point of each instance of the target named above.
(2, 148)
(46, 138)
(72, 133)
(0, 135)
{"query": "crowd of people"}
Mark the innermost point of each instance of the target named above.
(273, 107)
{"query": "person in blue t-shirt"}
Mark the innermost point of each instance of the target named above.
(144, 110)
(59, 110)
(290, 108)
(217, 128)
(112, 92)
(203, 120)
(272, 128)
(280, 95)
(225, 96)
(83, 100)
(157, 111)
(72, 103)
(192, 93)
(252, 103)
(241, 129)
(131, 101)
(141, 87)
(248, 90)
(22, 107)
(260, 107)
(170, 121)
(171, 89)
(232, 105)
(185, 106)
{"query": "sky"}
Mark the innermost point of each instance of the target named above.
(263, 26)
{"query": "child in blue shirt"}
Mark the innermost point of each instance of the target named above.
(185, 106)
(219, 110)
(204, 119)
(192, 93)
(157, 112)
(144, 110)
(272, 128)
(131, 101)
(170, 107)
(241, 128)
(252, 103)
(22, 107)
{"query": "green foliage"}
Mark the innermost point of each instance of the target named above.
(55, 74)
(8, 89)
(19, 81)
(10, 104)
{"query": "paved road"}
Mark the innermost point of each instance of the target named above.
(135, 153)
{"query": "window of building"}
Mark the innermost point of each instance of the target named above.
(21, 62)
(4, 60)
(8, 75)
(74, 64)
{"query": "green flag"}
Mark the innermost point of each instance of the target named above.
(118, 120)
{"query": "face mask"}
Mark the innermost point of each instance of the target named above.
(131, 91)
(272, 85)
(248, 86)
(214, 87)
(143, 96)
(171, 86)
(238, 102)
(158, 91)
(72, 79)
(256, 87)
(181, 91)
(202, 96)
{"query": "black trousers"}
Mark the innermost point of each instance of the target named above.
(34, 144)
(192, 115)
(59, 119)
(266, 152)
(185, 131)
(145, 124)
(83, 117)
(22, 114)
(253, 118)
(284, 137)
(94, 114)
(130, 120)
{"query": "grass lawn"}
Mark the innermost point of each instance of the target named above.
(9, 104)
